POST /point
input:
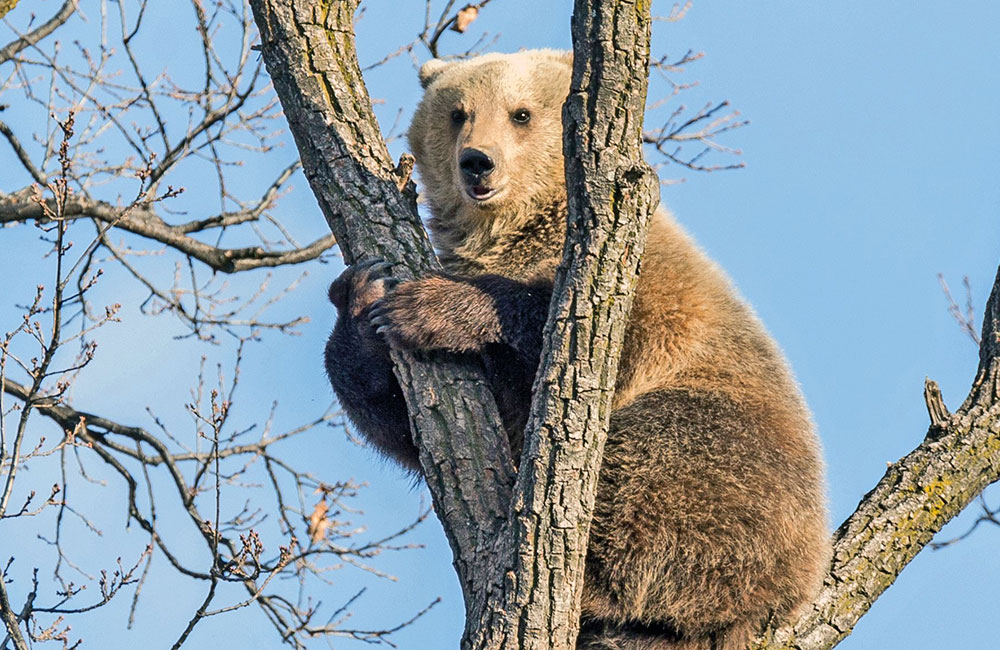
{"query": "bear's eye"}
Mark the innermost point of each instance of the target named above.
(521, 116)
(458, 116)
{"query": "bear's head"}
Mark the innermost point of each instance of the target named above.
(487, 135)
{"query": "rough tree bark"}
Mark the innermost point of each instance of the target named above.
(370, 205)
(612, 192)
(519, 546)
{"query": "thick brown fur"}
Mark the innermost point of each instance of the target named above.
(710, 509)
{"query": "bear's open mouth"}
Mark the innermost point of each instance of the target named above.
(480, 192)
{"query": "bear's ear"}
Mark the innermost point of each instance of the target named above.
(430, 71)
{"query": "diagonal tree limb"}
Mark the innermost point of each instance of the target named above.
(308, 48)
(145, 222)
(21, 154)
(916, 497)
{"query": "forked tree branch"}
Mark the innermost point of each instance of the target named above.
(310, 54)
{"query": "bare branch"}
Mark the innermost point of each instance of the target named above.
(194, 473)
(702, 127)
(27, 40)
(22, 155)
(145, 222)
(966, 318)
(11, 621)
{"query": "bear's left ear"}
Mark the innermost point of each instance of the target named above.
(431, 70)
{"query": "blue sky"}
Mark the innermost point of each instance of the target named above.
(871, 167)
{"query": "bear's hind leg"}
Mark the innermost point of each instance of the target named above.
(707, 517)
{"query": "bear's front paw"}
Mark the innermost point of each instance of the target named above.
(436, 313)
(361, 285)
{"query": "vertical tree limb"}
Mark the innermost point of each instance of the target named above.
(10, 620)
(611, 192)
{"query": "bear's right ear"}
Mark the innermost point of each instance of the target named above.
(431, 70)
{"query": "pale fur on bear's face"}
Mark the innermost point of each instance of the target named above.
(507, 106)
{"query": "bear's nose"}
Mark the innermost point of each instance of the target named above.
(475, 164)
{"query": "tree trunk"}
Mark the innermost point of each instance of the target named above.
(612, 193)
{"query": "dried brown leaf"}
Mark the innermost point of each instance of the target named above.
(318, 523)
(464, 18)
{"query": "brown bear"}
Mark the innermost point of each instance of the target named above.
(710, 512)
